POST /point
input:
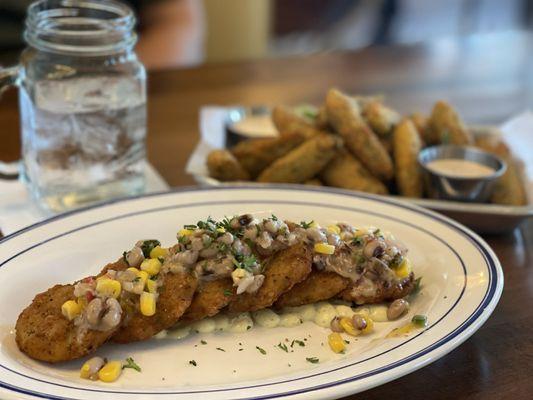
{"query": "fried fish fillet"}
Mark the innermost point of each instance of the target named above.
(210, 298)
(283, 270)
(43, 333)
(379, 292)
(175, 296)
(318, 286)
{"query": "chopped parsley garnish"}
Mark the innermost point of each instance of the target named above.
(137, 279)
(223, 247)
(312, 360)
(273, 218)
(190, 227)
(283, 347)
(346, 341)
(306, 225)
(299, 342)
(225, 223)
(124, 255)
(262, 351)
(193, 362)
(221, 349)
(245, 262)
(203, 341)
(358, 241)
(130, 363)
(228, 292)
(161, 259)
(209, 225)
(148, 246)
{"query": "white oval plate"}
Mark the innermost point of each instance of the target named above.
(462, 282)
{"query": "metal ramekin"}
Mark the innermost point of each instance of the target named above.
(447, 187)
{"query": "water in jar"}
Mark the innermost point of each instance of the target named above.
(83, 139)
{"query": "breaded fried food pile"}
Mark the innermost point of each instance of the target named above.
(238, 264)
(358, 143)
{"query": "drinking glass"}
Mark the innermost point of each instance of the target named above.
(82, 100)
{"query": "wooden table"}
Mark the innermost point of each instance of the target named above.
(489, 78)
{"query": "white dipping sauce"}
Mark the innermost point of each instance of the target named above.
(460, 168)
(255, 126)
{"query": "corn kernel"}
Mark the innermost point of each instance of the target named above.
(185, 232)
(369, 326)
(85, 371)
(324, 248)
(108, 287)
(143, 277)
(151, 266)
(151, 286)
(82, 302)
(147, 304)
(336, 342)
(221, 230)
(334, 229)
(158, 251)
(110, 372)
(238, 274)
(70, 309)
(134, 270)
(347, 324)
(404, 269)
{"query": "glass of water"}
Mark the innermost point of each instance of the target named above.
(82, 97)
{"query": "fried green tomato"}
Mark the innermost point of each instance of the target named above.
(421, 125)
(257, 154)
(510, 189)
(321, 121)
(304, 162)
(381, 291)
(222, 165)
(346, 172)
(445, 126)
(287, 122)
(381, 118)
(344, 114)
(211, 297)
(407, 145)
(318, 286)
(44, 334)
(175, 296)
(283, 270)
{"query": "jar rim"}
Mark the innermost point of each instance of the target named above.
(87, 27)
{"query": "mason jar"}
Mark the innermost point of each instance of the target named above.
(82, 94)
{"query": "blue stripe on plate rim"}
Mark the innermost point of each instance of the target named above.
(476, 241)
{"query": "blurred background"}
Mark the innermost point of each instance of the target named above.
(181, 33)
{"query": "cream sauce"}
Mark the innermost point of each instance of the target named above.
(255, 126)
(460, 168)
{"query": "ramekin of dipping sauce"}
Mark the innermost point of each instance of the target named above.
(460, 173)
(248, 123)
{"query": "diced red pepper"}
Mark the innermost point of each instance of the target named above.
(89, 296)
